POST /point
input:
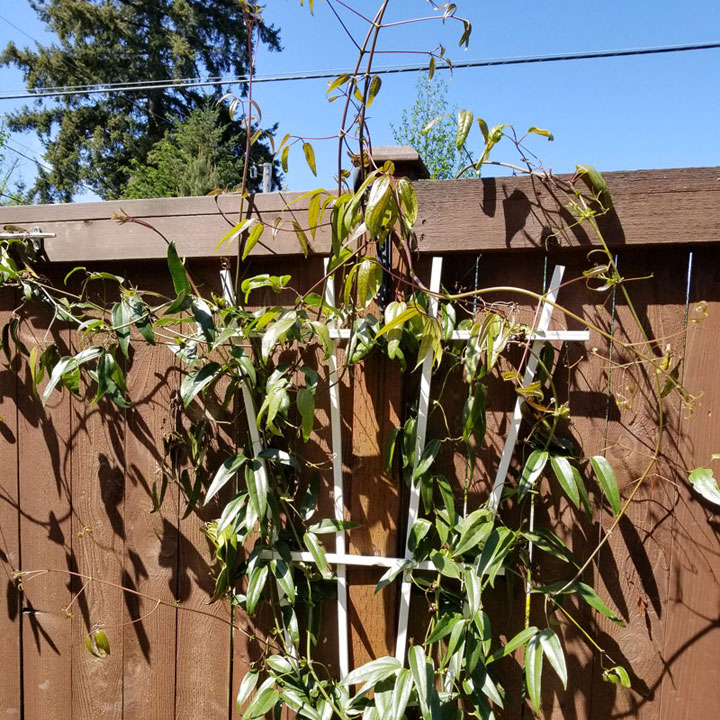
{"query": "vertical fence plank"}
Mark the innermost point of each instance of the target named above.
(10, 617)
(373, 499)
(206, 634)
(151, 547)
(99, 533)
(46, 532)
(690, 686)
(632, 569)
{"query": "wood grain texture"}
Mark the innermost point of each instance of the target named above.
(151, 547)
(652, 207)
(99, 535)
(46, 531)
(692, 633)
(374, 500)
(10, 556)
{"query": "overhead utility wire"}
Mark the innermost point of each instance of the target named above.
(139, 86)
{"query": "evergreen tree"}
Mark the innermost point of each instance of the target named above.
(200, 154)
(437, 145)
(92, 140)
(10, 193)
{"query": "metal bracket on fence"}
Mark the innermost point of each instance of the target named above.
(36, 237)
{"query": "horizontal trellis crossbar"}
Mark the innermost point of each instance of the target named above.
(657, 207)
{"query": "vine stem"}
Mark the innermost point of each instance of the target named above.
(90, 578)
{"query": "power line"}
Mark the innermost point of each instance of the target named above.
(41, 164)
(140, 86)
(19, 29)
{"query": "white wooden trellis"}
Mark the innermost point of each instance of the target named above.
(340, 558)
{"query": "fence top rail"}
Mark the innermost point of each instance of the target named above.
(651, 207)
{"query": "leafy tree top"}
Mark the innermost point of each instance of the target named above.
(436, 146)
(90, 140)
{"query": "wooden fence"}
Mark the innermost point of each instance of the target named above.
(75, 479)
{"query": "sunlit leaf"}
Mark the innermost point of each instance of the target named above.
(540, 131)
(310, 156)
(464, 123)
(704, 482)
(606, 478)
(226, 472)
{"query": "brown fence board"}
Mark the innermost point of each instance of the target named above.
(151, 547)
(10, 557)
(690, 687)
(46, 531)
(99, 533)
(632, 570)
(656, 207)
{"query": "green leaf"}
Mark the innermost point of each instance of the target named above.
(203, 317)
(257, 484)
(464, 123)
(306, 407)
(418, 531)
(284, 578)
(540, 131)
(377, 204)
(246, 687)
(316, 550)
(408, 198)
(475, 529)
(197, 380)
(597, 183)
(102, 644)
(323, 333)
(704, 482)
(534, 466)
(564, 474)
(310, 157)
(391, 573)
(337, 82)
(399, 320)
(443, 627)
(474, 422)
(256, 584)
(252, 239)
(264, 700)
(445, 565)
(181, 283)
(67, 365)
(140, 315)
(301, 238)
(373, 90)
(121, 325)
(227, 470)
(331, 525)
(369, 279)
(472, 591)
(372, 672)
(617, 676)
(422, 675)
(553, 651)
(401, 694)
(606, 478)
(514, 643)
(586, 593)
(533, 670)
(432, 448)
(275, 333)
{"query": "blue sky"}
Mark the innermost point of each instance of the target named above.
(655, 111)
